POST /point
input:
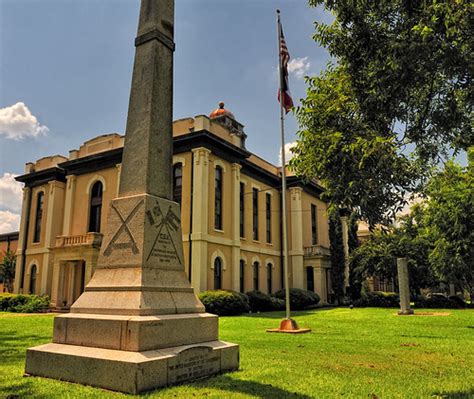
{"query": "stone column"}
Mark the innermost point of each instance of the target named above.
(22, 241)
(345, 243)
(235, 267)
(320, 283)
(71, 278)
(452, 290)
(200, 220)
(57, 282)
(69, 204)
(404, 287)
(118, 167)
(296, 251)
(148, 149)
(54, 219)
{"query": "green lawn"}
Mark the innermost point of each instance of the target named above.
(359, 353)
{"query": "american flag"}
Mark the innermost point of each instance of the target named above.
(287, 102)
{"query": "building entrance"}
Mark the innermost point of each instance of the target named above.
(72, 282)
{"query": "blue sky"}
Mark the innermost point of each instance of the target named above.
(70, 63)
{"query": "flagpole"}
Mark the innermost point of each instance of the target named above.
(283, 177)
(287, 325)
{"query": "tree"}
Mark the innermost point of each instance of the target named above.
(7, 269)
(402, 80)
(377, 257)
(449, 221)
(337, 255)
(337, 250)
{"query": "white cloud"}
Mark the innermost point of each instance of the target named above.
(9, 222)
(299, 66)
(17, 122)
(288, 153)
(10, 193)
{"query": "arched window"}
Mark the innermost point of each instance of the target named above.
(255, 276)
(177, 182)
(241, 275)
(218, 199)
(269, 278)
(39, 216)
(95, 207)
(218, 274)
(33, 279)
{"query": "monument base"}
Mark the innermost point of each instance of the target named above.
(405, 312)
(131, 372)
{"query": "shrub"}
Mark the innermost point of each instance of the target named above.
(224, 303)
(24, 303)
(378, 299)
(299, 299)
(261, 302)
(440, 302)
(459, 301)
(278, 304)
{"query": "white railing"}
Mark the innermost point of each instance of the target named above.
(94, 239)
(316, 250)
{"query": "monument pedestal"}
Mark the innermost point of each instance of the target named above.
(138, 325)
(131, 372)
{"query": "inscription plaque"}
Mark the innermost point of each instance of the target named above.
(193, 363)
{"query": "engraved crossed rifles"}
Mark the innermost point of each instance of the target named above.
(170, 220)
(123, 227)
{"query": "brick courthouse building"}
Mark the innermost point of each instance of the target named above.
(230, 213)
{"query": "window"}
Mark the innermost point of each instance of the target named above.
(309, 279)
(255, 213)
(242, 209)
(218, 199)
(39, 216)
(269, 278)
(218, 274)
(268, 215)
(241, 276)
(255, 276)
(95, 207)
(177, 182)
(314, 224)
(33, 279)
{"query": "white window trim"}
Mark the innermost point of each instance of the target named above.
(218, 254)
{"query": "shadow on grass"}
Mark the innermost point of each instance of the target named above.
(455, 395)
(281, 314)
(13, 346)
(15, 390)
(252, 388)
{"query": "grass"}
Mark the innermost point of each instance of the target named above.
(359, 353)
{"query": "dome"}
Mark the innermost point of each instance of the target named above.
(221, 111)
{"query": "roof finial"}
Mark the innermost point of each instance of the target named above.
(221, 104)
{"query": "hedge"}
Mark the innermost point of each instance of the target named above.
(261, 302)
(439, 302)
(20, 303)
(224, 303)
(378, 299)
(299, 299)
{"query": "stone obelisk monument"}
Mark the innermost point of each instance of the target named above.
(404, 287)
(139, 325)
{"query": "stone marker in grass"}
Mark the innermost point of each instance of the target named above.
(139, 325)
(403, 287)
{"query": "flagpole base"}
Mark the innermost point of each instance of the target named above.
(289, 326)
